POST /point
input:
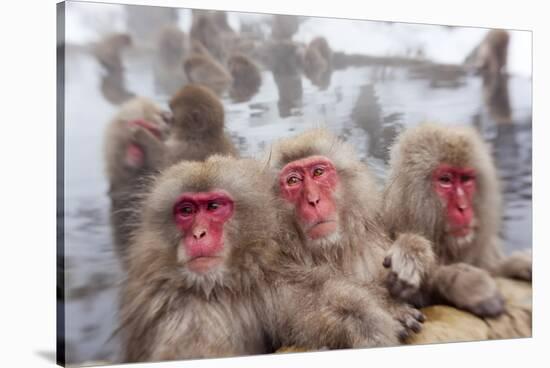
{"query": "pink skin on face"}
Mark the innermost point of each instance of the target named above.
(309, 185)
(456, 187)
(201, 217)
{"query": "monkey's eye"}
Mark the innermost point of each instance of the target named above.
(185, 209)
(292, 180)
(467, 178)
(318, 171)
(212, 206)
(445, 180)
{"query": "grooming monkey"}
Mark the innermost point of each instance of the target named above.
(443, 186)
(133, 150)
(205, 275)
(329, 216)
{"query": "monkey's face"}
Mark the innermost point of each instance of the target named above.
(309, 185)
(455, 187)
(201, 218)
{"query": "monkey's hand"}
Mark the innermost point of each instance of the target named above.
(410, 319)
(409, 260)
(154, 147)
(470, 288)
(518, 265)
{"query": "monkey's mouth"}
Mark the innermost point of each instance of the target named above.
(322, 228)
(461, 232)
(203, 264)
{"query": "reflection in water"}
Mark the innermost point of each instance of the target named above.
(113, 87)
(381, 132)
(286, 70)
(495, 94)
(366, 104)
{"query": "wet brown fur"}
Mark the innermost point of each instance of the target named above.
(198, 128)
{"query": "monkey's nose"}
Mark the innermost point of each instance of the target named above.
(198, 234)
(313, 201)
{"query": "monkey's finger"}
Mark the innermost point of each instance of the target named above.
(420, 317)
(413, 324)
(403, 334)
(390, 281)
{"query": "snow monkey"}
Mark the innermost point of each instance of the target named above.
(443, 186)
(330, 206)
(198, 126)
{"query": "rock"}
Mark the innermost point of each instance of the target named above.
(448, 324)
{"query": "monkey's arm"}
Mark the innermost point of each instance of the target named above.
(518, 265)
(467, 287)
(410, 260)
(342, 314)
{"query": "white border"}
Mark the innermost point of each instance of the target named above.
(28, 180)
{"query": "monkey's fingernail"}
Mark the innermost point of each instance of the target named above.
(416, 327)
(403, 334)
(421, 317)
(387, 262)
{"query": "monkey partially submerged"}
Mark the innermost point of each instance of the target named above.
(133, 150)
(443, 186)
(206, 278)
(199, 126)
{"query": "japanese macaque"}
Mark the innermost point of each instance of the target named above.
(203, 69)
(246, 78)
(283, 27)
(329, 213)
(203, 277)
(491, 56)
(195, 265)
(443, 186)
(204, 29)
(108, 51)
(133, 150)
(318, 62)
(198, 126)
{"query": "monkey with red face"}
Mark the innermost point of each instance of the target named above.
(443, 186)
(330, 219)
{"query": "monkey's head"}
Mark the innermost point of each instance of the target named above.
(204, 223)
(442, 184)
(324, 187)
(197, 112)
